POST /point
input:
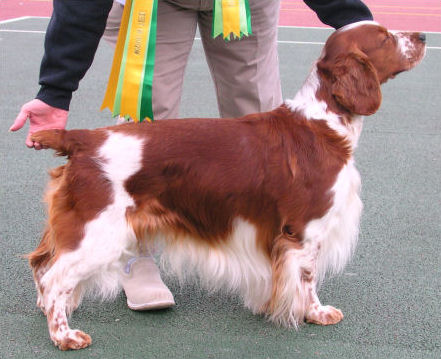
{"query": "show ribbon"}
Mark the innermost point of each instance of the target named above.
(129, 89)
(231, 17)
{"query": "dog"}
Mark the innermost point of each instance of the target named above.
(263, 206)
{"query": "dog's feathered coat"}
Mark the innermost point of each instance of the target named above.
(263, 205)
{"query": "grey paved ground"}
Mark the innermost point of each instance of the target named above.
(390, 293)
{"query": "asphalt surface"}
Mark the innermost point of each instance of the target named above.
(390, 293)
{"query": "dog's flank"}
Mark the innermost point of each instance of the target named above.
(262, 206)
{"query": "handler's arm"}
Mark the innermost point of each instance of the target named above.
(338, 13)
(72, 37)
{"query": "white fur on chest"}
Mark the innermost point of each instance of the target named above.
(337, 232)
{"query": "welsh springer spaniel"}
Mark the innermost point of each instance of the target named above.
(264, 205)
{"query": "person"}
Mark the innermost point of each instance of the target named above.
(245, 73)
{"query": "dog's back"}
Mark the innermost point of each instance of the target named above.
(197, 176)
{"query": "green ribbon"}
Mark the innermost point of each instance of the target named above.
(219, 19)
(146, 95)
(130, 86)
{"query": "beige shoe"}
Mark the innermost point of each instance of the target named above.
(144, 287)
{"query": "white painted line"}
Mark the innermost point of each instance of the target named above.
(300, 42)
(39, 17)
(14, 19)
(290, 42)
(322, 43)
(280, 26)
(305, 27)
(23, 18)
(24, 31)
(330, 28)
(198, 38)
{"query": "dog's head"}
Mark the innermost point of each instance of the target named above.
(357, 58)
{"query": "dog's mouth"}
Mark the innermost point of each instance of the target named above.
(396, 73)
(412, 46)
(413, 50)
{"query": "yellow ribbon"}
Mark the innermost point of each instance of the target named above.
(231, 17)
(129, 87)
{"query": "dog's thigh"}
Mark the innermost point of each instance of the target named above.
(96, 265)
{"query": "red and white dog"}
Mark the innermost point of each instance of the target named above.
(264, 205)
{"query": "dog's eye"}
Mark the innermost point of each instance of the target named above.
(390, 38)
(387, 38)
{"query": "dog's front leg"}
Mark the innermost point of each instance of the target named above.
(315, 312)
(318, 313)
(291, 259)
(294, 297)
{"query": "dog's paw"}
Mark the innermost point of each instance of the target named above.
(72, 340)
(324, 315)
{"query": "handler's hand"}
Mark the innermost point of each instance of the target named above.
(41, 117)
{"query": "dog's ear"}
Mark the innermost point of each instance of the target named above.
(355, 85)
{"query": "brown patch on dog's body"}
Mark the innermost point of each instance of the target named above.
(222, 176)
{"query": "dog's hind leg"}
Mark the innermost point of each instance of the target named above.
(39, 260)
(96, 264)
(60, 282)
(64, 283)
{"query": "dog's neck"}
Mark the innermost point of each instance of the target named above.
(309, 106)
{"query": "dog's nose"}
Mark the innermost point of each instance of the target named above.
(422, 37)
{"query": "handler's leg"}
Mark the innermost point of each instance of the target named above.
(144, 287)
(142, 284)
(246, 71)
(175, 36)
(113, 23)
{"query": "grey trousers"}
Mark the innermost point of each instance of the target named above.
(245, 72)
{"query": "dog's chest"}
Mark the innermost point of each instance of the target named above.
(335, 234)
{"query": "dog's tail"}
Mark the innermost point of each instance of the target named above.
(46, 250)
(65, 143)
